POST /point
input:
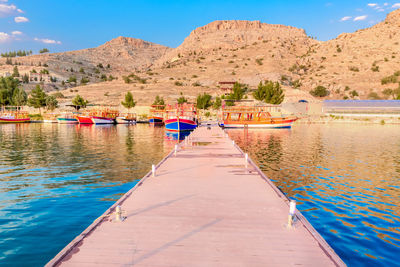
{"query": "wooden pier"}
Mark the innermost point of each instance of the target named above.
(205, 206)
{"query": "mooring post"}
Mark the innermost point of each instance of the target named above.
(176, 149)
(153, 170)
(233, 142)
(292, 210)
(246, 159)
(118, 214)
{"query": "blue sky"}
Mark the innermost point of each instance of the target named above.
(77, 24)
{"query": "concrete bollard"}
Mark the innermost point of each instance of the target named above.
(292, 211)
(246, 159)
(176, 149)
(233, 142)
(153, 170)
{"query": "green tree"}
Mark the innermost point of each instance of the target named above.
(353, 93)
(25, 78)
(15, 72)
(19, 97)
(37, 98)
(182, 99)
(159, 101)
(203, 101)
(319, 91)
(44, 50)
(8, 85)
(79, 101)
(238, 92)
(129, 101)
(269, 92)
(51, 102)
(217, 103)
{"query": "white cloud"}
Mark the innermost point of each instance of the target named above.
(385, 4)
(345, 18)
(21, 19)
(16, 33)
(381, 10)
(372, 4)
(7, 10)
(397, 5)
(360, 18)
(4, 37)
(47, 41)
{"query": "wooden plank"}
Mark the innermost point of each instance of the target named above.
(203, 208)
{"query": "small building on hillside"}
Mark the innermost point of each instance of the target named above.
(226, 87)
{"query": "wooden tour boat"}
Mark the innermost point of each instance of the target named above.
(182, 117)
(157, 114)
(104, 116)
(13, 115)
(68, 118)
(255, 117)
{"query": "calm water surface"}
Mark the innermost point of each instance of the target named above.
(346, 180)
(56, 179)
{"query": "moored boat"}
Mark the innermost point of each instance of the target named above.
(157, 114)
(67, 119)
(102, 120)
(181, 118)
(50, 118)
(84, 119)
(126, 118)
(13, 115)
(255, 117)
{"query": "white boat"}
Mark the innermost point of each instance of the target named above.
(102, 120)
(124, 120)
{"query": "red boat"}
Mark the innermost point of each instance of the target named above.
(82, 119)
(13, 116)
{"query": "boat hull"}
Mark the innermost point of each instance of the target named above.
(102, 120)
(273, 123)
(84, 119)
(156, 120)
(10, 120)
(67, 120)
(122, 120)
(180, 125)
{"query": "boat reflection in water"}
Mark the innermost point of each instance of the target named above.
(176, 136)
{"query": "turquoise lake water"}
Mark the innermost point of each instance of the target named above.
(345, 179)
(55, 180)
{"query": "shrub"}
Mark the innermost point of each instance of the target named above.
(389, 79)
(259, 61)
(373, 96)
(319, 91)
(182, 99)
(355, 69)
(375, 68)
(178, 83)
(353, 93)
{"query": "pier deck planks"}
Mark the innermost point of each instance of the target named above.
(203, 208)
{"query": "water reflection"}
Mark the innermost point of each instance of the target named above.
(55, 179)
(345, 179)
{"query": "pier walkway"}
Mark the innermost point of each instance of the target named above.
(203, 207)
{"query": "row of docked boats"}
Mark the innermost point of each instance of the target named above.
(98, 117)
(184, 117)
(177, 118)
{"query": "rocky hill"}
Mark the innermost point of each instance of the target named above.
(118, 56)
(354, 65)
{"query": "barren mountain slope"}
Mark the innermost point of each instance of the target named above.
(242, 51)
(117, 57)
(358, 60)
